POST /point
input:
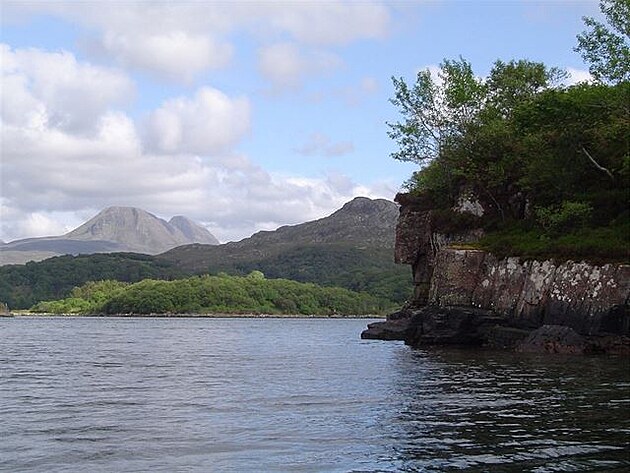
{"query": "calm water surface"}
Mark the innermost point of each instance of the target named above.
(294, 395)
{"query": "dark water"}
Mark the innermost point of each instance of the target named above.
(294, 395)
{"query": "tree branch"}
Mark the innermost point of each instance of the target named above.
(496, 202)
(596, 164)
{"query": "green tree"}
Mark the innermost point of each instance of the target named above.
(256, 275)
(512, 83)
(459, 129)
(437, 113)
(579, 133)
(434, 111)
(606, 48)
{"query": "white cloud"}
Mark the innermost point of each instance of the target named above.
(181, 40)
(210, 123)
(73, 176)
(319, 144)
(176, 54)
(332, 23)
(282, 65)
(577, 75)
(54, 177)
(69, 148)
(286, 66)
(53, 87)
(38, 223)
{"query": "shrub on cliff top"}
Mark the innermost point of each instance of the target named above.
(569, 216)
(555, 157)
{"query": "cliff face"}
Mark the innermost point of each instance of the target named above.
(584, 297)
(467, 296)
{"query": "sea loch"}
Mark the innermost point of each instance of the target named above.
(295, 395)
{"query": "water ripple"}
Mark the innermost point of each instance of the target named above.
(237, 395)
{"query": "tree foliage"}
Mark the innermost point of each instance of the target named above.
(527, 143)
(252, 294)
(434, 111)
(438, 112)
(371, 271)
(21, 286)
(606, 48)
(86, 299)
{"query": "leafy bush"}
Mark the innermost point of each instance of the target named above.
(567, 217)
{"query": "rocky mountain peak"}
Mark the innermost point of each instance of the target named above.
(367, 205)
(192, 230)
(141, 231)
(364, 206)
(114, 229)
(362, 221)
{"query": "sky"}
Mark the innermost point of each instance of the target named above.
(243, 115)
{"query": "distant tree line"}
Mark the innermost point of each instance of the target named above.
(21, 286)
(252, 294)
(371, 271)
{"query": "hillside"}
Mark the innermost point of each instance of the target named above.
(115, 229)
(352, 248)
(361, 223)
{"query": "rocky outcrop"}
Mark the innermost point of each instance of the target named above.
(419, 239)
(588, 298)
(565, 340)
(469, 296)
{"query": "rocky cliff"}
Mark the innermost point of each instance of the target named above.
(469, 296)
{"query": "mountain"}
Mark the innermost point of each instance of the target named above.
(352, 248)
(141, 232)
(192, 230)
(361, 223)
(115, 229)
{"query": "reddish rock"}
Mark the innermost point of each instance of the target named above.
(573, 307)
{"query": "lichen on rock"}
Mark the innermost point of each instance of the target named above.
(585, 304)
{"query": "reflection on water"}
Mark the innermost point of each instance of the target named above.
(489, 411)
(272, 395)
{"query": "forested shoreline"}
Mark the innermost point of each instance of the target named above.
(228, 295)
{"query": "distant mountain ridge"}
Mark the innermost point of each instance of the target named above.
(362, 220)
(115, 229)
(361, 223)
(351, 248)
(140, 231)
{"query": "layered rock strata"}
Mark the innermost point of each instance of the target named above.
(470, 297)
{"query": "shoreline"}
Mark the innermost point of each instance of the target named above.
(198, 316)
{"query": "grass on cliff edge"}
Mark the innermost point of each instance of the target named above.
(597, 245)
